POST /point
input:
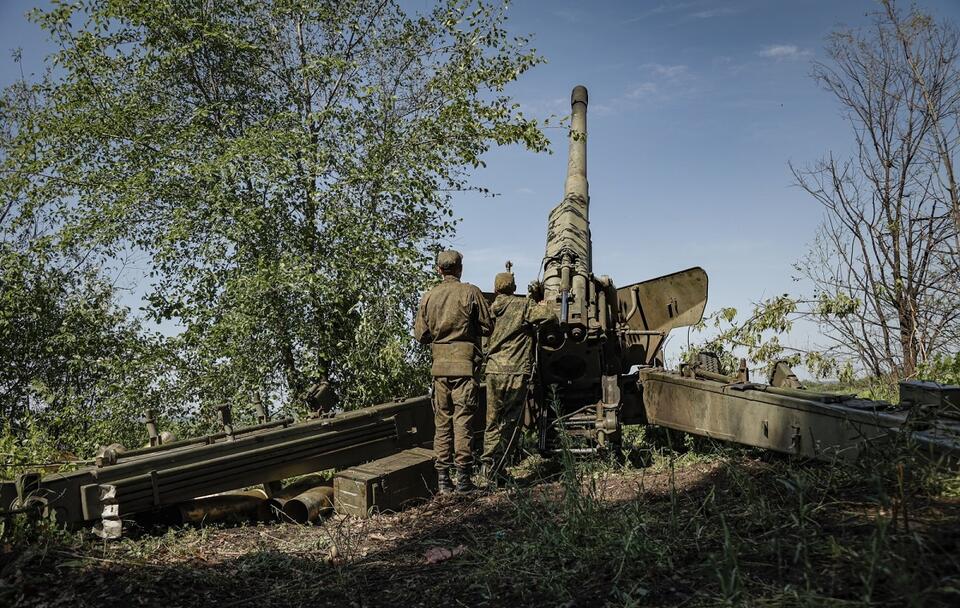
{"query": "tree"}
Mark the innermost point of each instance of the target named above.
(76, 370)
(923, 41)
(889, 240)
(285, 167)
(757, 337)
(73, 364)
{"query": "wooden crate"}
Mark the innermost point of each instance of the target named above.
(389, 484)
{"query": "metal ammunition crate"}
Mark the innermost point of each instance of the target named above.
(388, 484)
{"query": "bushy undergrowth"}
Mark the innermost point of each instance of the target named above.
(700, 525)
(728, 528)
(697, 523)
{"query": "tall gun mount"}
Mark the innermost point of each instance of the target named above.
(585, 362)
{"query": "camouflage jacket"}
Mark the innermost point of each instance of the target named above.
(510, 348)
(452, 318)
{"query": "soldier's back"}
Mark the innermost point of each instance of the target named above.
(451, 311)
(511, 343)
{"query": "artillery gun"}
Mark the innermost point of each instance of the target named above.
(601, 367)
(585, 385)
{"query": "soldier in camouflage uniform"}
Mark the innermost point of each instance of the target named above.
(509, 367)
(452, 318)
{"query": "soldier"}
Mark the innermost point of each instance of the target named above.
(452, 318)
(509, 368)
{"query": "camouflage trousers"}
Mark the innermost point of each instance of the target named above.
(506, 396)
(455, 400)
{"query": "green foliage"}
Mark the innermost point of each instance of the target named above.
(941, 368)
(837, 305)
(758, 337)
(283, 169)
(74, 369)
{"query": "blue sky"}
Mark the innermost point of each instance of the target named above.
(696, 108)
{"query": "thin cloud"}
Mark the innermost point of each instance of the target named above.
(644, 90)
(602, 109)
(665, 8)
(543, 108)
(725, 11)
(663, 83)
(783, 51)
(697, 9)
(658, 83)
(569, 15)
(667, 71)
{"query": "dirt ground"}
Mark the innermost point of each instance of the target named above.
(701, 532)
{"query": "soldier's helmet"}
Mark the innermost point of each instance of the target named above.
(505, 283)
(449, 260)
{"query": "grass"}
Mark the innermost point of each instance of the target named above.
(702, 524)
(723, 527)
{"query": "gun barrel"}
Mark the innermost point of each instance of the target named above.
(568, 259)
(577, 164)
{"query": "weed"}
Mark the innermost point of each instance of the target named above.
(727, 569)
(702, 526)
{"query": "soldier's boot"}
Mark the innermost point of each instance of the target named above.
(464, 479)
(444, 485)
